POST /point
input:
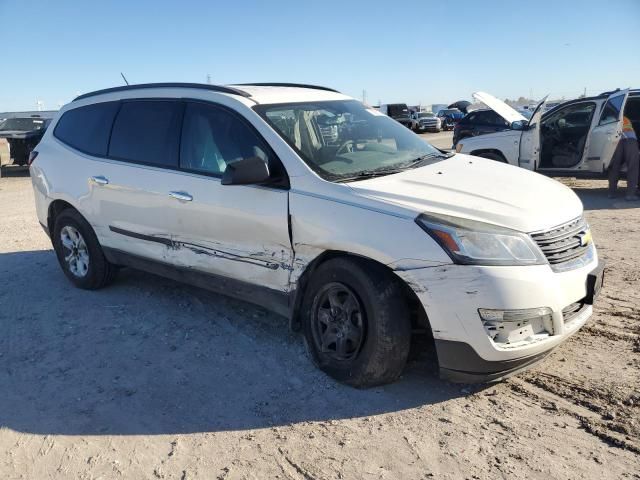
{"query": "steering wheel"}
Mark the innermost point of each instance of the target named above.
(344, 148)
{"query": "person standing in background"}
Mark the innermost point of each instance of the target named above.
(626, 152)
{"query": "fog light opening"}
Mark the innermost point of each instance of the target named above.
(508, 327)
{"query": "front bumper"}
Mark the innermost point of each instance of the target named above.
(456, 358)
(452, 294)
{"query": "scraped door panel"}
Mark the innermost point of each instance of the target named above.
(240, 232)
(237, 231)
(134, 207)
(134, 198)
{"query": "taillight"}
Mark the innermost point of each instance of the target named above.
(32, 156)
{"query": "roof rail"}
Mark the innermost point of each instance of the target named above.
(202, 86)
(298, 85)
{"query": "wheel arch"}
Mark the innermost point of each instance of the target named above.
(495, 151)
(419, 318)
(56, 207)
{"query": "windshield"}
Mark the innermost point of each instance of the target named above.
(22, 124)
(344, 140)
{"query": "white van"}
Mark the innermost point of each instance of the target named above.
(305, 201)
(576, 138)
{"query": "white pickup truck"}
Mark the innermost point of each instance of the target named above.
(577, 137)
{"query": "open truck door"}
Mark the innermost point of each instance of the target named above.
(529, 156)
(605, 135)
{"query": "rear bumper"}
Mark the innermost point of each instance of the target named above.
(459, 362)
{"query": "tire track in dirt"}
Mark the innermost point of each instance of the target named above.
(598, 411)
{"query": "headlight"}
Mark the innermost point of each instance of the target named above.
(476, 243)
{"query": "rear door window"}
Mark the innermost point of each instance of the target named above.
(87, 128)
(147, 131)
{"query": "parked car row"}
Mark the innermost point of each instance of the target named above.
(285, 195)
(420, 121)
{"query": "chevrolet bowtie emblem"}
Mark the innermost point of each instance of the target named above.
(585, 238)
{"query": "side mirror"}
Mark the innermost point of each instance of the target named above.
(520, 125)
(246, 171)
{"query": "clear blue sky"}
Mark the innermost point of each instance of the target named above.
(412, 51)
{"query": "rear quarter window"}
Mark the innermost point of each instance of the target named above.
(147, 131)
(87, 128)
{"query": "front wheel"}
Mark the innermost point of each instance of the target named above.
(356, 322)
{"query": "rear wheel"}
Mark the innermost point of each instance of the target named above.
(79, 252)
(356, 322)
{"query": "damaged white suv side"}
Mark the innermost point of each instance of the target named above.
(303, 200)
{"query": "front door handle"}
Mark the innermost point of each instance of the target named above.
(100, 180)
(182, 196)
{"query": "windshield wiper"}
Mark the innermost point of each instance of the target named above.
(421, 160)
(364, 174)
(381, 172)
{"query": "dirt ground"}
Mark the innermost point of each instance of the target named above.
(150, 379)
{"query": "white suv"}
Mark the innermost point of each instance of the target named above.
(303, 200)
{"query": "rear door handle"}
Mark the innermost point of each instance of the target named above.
(182, 196)
(100, 180)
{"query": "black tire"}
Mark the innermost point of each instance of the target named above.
(382, 353)
(491, 156)
(99, 272)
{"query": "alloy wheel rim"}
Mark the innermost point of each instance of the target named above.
(338, 322)
(76, 254)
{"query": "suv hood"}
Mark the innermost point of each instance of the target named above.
(478, 189)
(505, 111)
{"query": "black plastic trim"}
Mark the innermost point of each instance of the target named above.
(595, 281)
(459, 362)
(281, 84)
(141, 236)
(200, 86)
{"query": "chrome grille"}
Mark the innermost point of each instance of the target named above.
(565, 242)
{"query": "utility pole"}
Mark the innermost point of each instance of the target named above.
(364, 96)
(208, 79)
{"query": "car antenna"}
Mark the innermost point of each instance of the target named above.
(124, 78)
